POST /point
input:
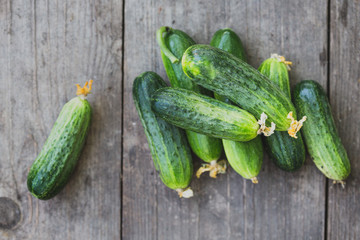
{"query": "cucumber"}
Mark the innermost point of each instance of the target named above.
(202, 114)
(227, 75)
(169, 148)
(244, 157)
(227, 40)
(286, 152)
(173, 44)
(319, 132)
(52, 168)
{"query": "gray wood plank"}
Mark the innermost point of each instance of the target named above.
(343, 204)
(283, 205)
(46, 48)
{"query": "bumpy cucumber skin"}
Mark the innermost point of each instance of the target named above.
(227, 40)
(202, 114)
(205, 147)
(319, 131)
(244, 157)
(51, 170)
(286, 152)
(227, 75)
(169, 148)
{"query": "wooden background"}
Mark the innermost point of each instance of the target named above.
(46, 47)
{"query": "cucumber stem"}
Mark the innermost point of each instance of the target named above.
(254, 180)
(267, 131)
(84, 91)
(283, 60)
(214, 168)
(161, 41)
(341, 182)
(295, 125)
(185, 192)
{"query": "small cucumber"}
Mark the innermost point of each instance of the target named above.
(319, 131)
(244, 157)
(173, 44)
(169, 148)
(52, 169)
(227, 75)
(286, 152)
(202, 114)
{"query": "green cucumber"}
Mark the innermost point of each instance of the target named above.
(227, 75)
(202, 114)
(169, 148)
(286, 152)
(173, 44)
(52, 168)
(319, 132)
(227, 40)
(244, 157)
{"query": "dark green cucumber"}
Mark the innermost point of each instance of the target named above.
(173, 44)
(52, 168)
(287, 153)
(227, 40)
(202, 114)
(244, 157)
(227, 75)
(169, 148)
(319, 131)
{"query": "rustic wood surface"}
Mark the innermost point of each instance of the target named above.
(344, 83)
(48, 46)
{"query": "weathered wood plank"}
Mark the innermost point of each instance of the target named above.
(343, 204)
(46, 48)
(282, 205)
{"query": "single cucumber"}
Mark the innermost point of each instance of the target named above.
(173, 44)
(320, 134)
(169, 148)
(227, 40)
(52, 168)
(202, 114)
(227, 75)
(244, 157)
(286, 152)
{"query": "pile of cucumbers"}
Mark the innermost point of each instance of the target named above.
(218, 101)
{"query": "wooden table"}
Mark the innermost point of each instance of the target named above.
(46, 47)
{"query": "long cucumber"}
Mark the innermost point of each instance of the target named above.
(320, 133)
(205, 115)
(227, 75)
(169, 148)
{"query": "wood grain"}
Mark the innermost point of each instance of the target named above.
(282, 205)
(343, 206)
(46, 48)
